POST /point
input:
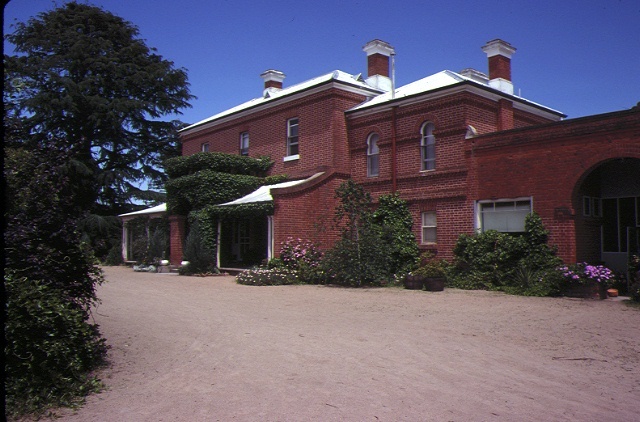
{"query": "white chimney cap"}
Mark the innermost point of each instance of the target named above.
(498, 47)
(272, 75)
(378, 47)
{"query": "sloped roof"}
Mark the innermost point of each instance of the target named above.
(443, 79)
(273, 94)
(153, 210)
(263, 193)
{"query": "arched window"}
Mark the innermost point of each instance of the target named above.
(372, 155)
(427, 147)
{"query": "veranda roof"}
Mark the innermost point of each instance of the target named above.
(263, 193)
(162, 208)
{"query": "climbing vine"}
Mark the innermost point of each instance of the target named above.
(224, 163)
(199, 182)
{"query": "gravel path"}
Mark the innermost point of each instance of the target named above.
(208, 349)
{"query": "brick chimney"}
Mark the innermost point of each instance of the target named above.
(272, 80)
(499, 53)
(378, 53)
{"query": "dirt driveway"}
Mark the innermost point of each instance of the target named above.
(207, 349)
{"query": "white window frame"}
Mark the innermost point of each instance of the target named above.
(515, 212)
(429, 224)
(373, 155)
(427, 147)
(204, 147)
(244, 143)
(293, 137)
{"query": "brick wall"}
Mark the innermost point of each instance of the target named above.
(446, 189)
(550, 163)
(322, 133)
(307, 212)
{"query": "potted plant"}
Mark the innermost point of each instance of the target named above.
(431, 273)
(586, 281)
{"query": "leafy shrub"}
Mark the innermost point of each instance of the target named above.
(50, 349)
(430, 266)
(361, 256)
(50, 280)
(358, 263)
(201, 258)
(395, 222)
(268, 277)
(634, 291)
(518, 264)
(303, 257)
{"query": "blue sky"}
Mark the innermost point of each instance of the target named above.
(580, 57)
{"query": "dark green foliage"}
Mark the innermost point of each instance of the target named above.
(369, 251)
(202, 258)
(224, 163)
(358, 263)
(395, 222)
(207, 187)
(634, 291)
(84, 83)
(194, 191)
(158, 241)
(50, 280)
(50, 348)
(150, 239)
(249, 210)
(519, 264)
(430, 266)
(201, 181)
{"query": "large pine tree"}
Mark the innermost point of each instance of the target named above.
(83, 78)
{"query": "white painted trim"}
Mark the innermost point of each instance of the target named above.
(218, 241)
(291, 157)
(270, 238)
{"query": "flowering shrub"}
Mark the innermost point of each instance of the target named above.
(296, 253)
(303, 257)
(583, 273)
(268, 277)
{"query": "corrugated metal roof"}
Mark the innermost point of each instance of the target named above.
(263, 193)
(274, 94)
(434, 82)
(153, 210)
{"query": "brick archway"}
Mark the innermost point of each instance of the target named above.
(607, 212)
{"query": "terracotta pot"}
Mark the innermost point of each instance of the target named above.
(612, 292)
(434, 284)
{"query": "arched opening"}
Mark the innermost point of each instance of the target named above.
(607, 204)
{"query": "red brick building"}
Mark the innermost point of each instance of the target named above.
(461, 148)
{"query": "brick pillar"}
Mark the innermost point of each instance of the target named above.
(177, 230)
(505, 114)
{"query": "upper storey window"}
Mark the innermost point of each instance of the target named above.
(244, 143)
(373, 155)
(292, 137)
(204, 147)
(427, 147)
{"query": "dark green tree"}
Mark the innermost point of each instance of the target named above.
(395, 222)
(51, 346)
(83, 82)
